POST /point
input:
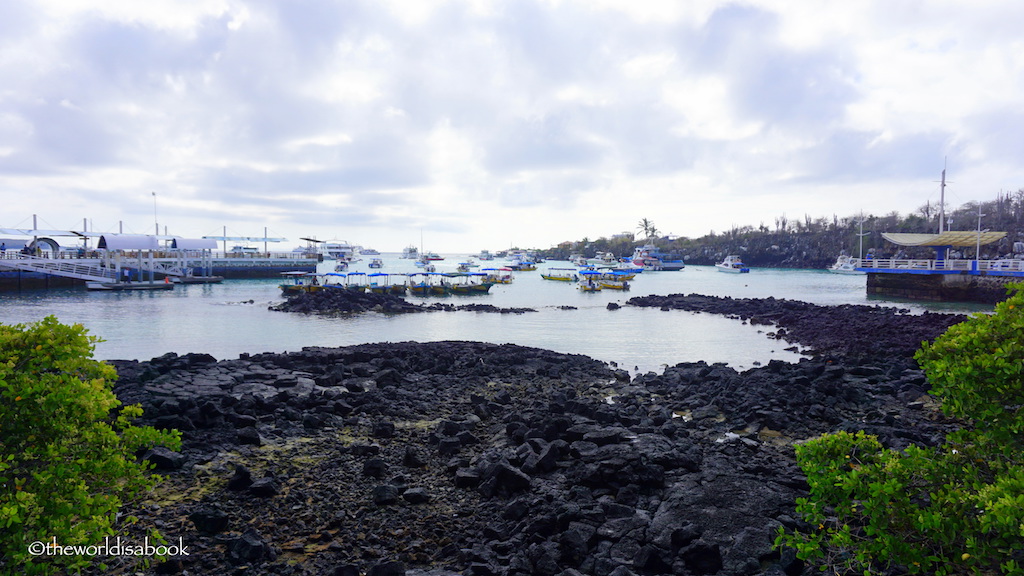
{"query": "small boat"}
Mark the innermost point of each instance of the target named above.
(589, 282)
(560, 274)
(485, 255)
(369, 252)
(523, 266)
(603, 259)
(378, 283)
(299, 282)
(733, 265)
(119, 286)
(469, 284)
(376, 263)
(845, 265)
(198, 279)
(356, 282)
(498, 275)
(341, 266)
(431, 256)
(419, 283)
(615, 280)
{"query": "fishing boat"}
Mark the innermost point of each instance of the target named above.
(845, 265)
(498, 275)
(614, 280)
(356, 282)
(589, 282)
(419, 283)
(469, 284)
(733, 265)
(298, 283)
(378, 283)
(467, 266)
(560, 274)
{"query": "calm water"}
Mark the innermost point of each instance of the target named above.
(219, 320)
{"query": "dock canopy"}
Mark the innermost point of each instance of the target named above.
(193, 244)
(128, 242)
(960, 238)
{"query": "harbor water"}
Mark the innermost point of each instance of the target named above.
(233, 318)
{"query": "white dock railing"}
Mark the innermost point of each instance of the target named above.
(1005, 265)
(89, 270)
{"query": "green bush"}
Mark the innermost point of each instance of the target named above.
(955, 509)
(67, 451)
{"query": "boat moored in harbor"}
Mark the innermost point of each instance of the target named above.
(732, 264)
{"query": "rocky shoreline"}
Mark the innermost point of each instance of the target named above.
(470, 458)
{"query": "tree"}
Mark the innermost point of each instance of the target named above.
(67, 448)
(647, 227)
(957, 508)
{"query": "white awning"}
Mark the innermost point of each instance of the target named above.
(128, 242)
(193, 244)
(952, 238)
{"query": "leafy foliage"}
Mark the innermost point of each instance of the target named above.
(958, 508)
(66, 449)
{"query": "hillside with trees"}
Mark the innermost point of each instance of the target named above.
(810, 242)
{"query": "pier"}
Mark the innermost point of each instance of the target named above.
(60, 269)
(942, 279)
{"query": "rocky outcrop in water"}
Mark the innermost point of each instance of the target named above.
(469, 458)
(336, 302)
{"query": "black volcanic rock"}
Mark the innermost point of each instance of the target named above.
(462, 457)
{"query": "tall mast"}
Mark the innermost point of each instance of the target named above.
(942, 202)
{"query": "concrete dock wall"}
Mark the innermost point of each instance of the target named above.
(940, 287)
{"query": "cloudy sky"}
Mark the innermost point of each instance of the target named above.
(486, 124)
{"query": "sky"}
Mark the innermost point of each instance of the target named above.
(464, 125)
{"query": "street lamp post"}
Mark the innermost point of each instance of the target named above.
(977, 249)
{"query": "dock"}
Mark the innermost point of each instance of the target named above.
(981, 281)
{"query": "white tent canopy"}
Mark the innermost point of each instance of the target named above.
(128, 242)
(952, 238)
(193, 244)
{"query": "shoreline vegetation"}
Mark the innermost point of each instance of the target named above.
(469, 458)
(814, 243)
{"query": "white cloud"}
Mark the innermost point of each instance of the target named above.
(487, 123)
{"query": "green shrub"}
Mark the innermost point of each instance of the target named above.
(67, 450)
(958, 508)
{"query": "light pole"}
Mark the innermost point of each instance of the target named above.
(977, 249)
(155, 222)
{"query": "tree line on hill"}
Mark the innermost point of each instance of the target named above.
(816, 242)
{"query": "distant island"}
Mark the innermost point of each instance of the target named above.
(816, 242)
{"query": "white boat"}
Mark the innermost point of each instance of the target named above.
(337, 250)
(845, 265)
(410, 252)
(733, 265)
(376, 263)
(650, 258)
